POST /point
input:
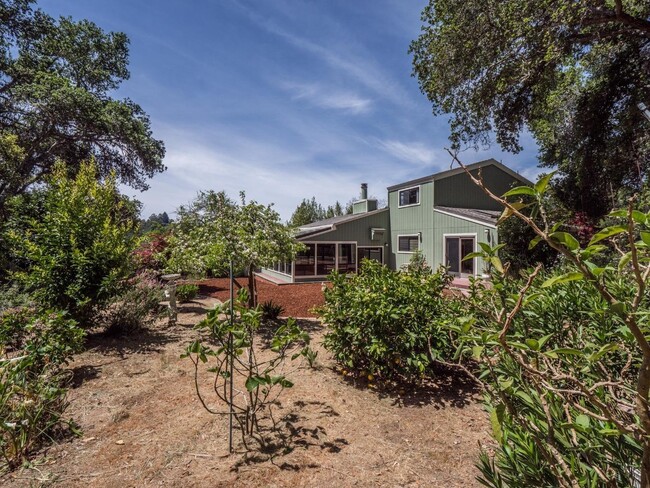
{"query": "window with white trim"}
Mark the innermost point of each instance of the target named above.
(409, 196)
(408, 243)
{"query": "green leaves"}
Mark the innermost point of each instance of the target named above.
(254, 382)
(56, 102)
(542, 183)
(520, 190)
(645, 237)
(392, 324)
(606, 233)
(214, 228)
(566, 239)
(76, 251)
(563, 278)
(235, 359)
(496, 420)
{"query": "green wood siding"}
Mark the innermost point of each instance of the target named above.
(460, 191)
(449, 225)
(411, 220)
(358, 231)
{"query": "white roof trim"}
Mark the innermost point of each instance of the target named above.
(316, 228)
(462, 217)
(324, 229)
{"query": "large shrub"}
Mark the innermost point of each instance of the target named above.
(544, 422)
(75, 254)
(391, 324)
(565, 358)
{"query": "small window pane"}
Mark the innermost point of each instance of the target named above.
(409, 197)
(453, 254)
(408, 243)
(466, 247)
(370, 253)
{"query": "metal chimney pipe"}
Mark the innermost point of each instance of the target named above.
(364, 191)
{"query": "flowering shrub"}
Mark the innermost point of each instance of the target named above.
(150, 251)
(137, 306)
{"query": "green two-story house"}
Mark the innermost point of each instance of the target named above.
(444, 215)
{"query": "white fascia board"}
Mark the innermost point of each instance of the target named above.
(468, 219)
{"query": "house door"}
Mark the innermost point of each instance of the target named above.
(456, 248)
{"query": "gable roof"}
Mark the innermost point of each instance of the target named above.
(456, 171)
(330, 224)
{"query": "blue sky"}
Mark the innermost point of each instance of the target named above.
(284, 99)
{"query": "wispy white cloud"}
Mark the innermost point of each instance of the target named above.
(360, 68)
(268, 171)
(323, 97)
(415, 153)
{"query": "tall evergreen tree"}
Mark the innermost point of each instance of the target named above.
(307, 212)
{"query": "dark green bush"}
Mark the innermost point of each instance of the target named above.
(186, 292)
(391, 324)
(271, 310)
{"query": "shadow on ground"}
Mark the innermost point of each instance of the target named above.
(445, 387)
(193, 307)
(292, 432)
(268, 328)
(82, 374)
(139, 342)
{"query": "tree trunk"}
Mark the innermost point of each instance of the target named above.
(643, 387)
(252, 289)
(645, 466)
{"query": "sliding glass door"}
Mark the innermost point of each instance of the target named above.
(456, 248)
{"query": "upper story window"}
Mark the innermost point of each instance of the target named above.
(409, 196)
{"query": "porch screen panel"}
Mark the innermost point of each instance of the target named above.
(306, 261)
(347, 258)
(325, 258)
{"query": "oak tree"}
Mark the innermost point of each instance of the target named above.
(571, 73)
(56, 81)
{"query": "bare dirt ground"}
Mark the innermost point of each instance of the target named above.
(143, 425)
